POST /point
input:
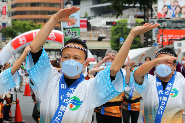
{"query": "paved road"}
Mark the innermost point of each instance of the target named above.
(26, 104)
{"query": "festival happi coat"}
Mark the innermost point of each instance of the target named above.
(162, 106)
(60, 104)
(8, 81)
(131, 93)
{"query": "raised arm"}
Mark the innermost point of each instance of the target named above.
(101, 62)
(60, 16)
(127, 77)
(146, 67)
(123, 52)
(139, 61)
(178, 52)
(19, 61)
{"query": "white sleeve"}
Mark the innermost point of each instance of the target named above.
(102, 90)
(142, 89)
(42, 73)
(8, 81)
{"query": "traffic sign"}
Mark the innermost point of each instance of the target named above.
(121, 40)
(155, 44)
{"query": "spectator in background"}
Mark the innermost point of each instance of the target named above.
(147, 59)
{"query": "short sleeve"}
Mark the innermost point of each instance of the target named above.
(8, 81)
(102, 90)
(41, 73)
(141, 89)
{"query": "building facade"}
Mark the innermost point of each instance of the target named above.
(5, 18)
(38, 11)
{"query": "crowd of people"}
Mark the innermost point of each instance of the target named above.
(68, 91)
(174, 9)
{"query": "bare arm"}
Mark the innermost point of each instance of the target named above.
(146, 67)
(141, 57)
(178, 52)
(18, 63)
(101, 62)
(123, 52)
(127, 77)
(60, 16)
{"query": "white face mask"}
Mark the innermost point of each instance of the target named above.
(183, 62)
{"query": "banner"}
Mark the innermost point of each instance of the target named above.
(169, 34)
(71, 30)
(4, 8)
(76, 17)
(71, 33)
(3, 26)
(83, 25)
(25, 38)
(171, 8)
(171, 24)
(68, 4)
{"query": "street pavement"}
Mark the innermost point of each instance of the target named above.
(27, 104)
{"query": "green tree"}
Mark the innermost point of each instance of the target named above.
(116, 33)
(119, 5)
(18, 27)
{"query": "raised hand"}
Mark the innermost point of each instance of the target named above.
(166, 59)
(132, 64)
(142, 29)
(143, 54)
(63, 14)
(94, 70)
(27, 49)
(105, 58)
(128, 61)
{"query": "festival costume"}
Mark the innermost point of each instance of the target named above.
(8, 81)
(111, 108)
(80, 99)
(131, 103)
(170, 109)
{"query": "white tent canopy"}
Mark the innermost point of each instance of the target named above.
(136, 53)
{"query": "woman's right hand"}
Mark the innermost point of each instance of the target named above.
(63, 14)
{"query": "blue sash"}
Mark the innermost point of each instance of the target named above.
(64, 97)
(130, 96)
(163, 96)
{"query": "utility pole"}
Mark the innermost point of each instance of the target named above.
(147, 17)
(151, 18)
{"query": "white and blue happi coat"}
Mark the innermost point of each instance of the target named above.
(92, 93)
(8, 81)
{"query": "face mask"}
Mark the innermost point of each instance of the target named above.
(108, 63)
(71, 67)
(183, 62)
(163, 70)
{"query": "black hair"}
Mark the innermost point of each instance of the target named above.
(167, 10)
(133, 67)
(148, 57)
(68, 2)
(77, 41)
(123, 66)
(169, 51)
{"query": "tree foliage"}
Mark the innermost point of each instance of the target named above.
(19, 27)
(119, 5)
(116, 33)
